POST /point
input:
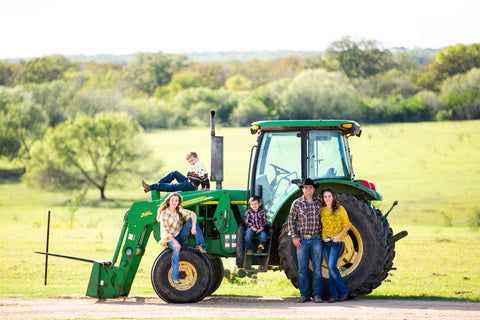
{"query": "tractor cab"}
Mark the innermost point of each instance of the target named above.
(289, 151)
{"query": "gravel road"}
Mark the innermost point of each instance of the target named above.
(233, 307)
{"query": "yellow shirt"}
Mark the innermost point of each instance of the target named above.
(332, 224)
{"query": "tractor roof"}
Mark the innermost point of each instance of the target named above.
(345, 126)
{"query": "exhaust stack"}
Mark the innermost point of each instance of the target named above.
(216, 154)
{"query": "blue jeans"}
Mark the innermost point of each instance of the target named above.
(165, 184)
(262, 236)
(337, 287)
(311, 250)
(181, 237)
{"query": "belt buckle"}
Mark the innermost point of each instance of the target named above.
(308, 237)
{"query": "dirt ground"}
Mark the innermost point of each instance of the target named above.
(233, 307)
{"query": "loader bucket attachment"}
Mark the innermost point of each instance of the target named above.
(102, 281)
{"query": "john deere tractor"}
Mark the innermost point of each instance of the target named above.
(285, 153)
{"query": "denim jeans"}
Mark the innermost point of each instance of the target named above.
(262, 236)
(336, 286)
(165, 184)
(311, 250)
(181, 237)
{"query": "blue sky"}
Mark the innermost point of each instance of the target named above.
(32, 28)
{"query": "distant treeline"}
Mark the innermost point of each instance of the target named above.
(355, 79)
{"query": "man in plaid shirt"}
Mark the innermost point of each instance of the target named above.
(305, 228)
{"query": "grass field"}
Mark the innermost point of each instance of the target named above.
(430, 168)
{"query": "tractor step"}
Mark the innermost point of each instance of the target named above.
(259, 254)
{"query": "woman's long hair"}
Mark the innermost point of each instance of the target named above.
(165, 204)
(335, 203)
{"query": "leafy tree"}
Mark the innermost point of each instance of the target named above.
(435, 103)
(271, 96)
(213, 74)
(457, 59)
(93, 101)
(248, 111)
(193, 105)
(318, 94)
(386, 84)
(151, 70)
(92, 75)
(22, 123)
(6, 73)
(238, 83)
(359, 58)
(462, 94)
(398, 109)
(45, 69)
(450, 61)
(151, 112)
(86, 151)
(54, 98)
(180, 81)
(261, 72)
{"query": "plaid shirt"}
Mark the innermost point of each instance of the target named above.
(304, 217)
(171, 224)
(257, 220)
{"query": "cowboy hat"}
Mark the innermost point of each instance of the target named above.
(308, 182)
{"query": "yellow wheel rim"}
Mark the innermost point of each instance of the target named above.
(188, 276)
(351, 255)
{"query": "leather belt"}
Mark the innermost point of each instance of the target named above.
(309, 236)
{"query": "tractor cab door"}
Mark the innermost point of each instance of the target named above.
(278, 162)
(328, 155)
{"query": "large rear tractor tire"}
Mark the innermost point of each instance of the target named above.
(196, 276)
(391, 248)
(240, 252)
(218, 273)
(365, 253)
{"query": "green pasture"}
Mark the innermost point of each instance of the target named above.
(430, 168)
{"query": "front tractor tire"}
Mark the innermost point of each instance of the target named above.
(364, 256)
(196, 276)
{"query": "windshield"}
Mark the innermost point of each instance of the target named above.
(279, 162)
(326, 155)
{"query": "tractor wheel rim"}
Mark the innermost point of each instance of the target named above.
(188, 276)
(351, 254)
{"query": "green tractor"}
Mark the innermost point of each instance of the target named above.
(285, 153)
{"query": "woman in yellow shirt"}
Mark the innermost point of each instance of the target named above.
(335, 225)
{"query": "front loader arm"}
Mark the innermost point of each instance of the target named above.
(112, 280)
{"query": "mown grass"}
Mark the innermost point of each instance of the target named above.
(430, 168)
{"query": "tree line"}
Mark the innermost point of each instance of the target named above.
(357, 79)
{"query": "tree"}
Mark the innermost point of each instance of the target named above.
(45, 69)
(450, 61)
(22, 122)
(151, 70)
(248, 111)
(318, 94)
(86, 151)
(359, 58)
(238, 83)
(54, 97)
(194, 105)
(6, 73)
(462, 95)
